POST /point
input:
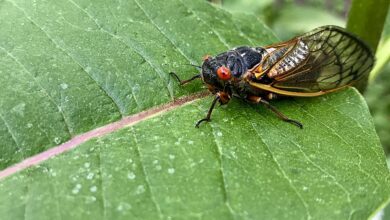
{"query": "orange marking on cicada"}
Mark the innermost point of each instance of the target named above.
(206, 57)
(224, 73)
(224, 97)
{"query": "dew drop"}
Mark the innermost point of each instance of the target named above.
(90, 176)
(123, 206)
(140, 189)
(90, 199)
(64, 86)
(75, 191)
(87, 165)
(19, 108)
(171, 156)
(131, 176)
(57, 140)
(219, 134)
(87, 69)
(171, 171)
(93, 189)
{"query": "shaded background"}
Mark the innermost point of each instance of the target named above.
(289, 18)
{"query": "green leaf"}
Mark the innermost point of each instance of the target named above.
(71, 66)
(244, 162)
(68, 67)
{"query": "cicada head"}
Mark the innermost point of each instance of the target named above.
(226, 69)
(221, 71)
(216, 74)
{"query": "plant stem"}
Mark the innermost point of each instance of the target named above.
(366, 19)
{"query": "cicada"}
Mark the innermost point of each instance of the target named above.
(324, 60)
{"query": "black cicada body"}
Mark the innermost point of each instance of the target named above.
(324, 60)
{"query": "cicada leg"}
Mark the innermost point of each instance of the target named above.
(208, 116)
(223, 99)
(257, 100)
(271, 96)
(183, 82)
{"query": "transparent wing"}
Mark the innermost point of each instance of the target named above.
(325, 59)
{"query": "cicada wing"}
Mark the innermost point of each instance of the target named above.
(324, 59)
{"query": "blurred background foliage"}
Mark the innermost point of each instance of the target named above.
(289, 18)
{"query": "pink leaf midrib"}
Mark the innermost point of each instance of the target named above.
(98, 132)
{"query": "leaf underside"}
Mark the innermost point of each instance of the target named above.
(70, 66)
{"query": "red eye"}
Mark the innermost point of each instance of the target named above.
(224, 73)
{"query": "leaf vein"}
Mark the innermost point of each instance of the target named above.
(348, 195)
(101, 181)
(132, 46)
(9, 130)
(222, 174)
(147, 181)
(163, 33)
(345, 142)
(283, 173)
(139, 106)
(67, 124)
(221, 39)
(69, 55)
(357, 123)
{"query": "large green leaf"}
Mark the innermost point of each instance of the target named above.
(68, 67)
(71, 66)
